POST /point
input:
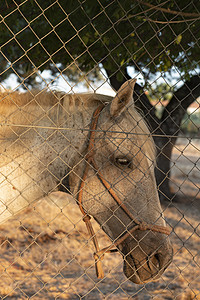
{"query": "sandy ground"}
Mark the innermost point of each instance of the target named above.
(45, 254)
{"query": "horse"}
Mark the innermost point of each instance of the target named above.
(96, 148)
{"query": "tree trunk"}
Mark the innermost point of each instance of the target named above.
(165, 130)
(169, 128)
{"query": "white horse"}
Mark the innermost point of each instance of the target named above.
(44, 148)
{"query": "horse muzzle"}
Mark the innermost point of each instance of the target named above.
(141, 266)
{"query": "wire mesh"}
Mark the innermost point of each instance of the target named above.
(51, 52)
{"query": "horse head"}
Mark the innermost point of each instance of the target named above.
(120, 161)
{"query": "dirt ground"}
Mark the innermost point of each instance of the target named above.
(45, 254)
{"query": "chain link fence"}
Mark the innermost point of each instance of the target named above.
(57, 58)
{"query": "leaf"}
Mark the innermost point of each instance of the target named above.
(178, 39)
(119, 76)
(122, 62)
(85, 39)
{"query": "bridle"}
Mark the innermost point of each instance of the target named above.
(90, 161)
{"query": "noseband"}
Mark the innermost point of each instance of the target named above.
(90, 161)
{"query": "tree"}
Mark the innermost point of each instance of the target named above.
(76, 37)
(161, 92)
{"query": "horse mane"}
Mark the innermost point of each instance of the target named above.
(11, 101)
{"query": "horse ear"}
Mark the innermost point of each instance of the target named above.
(123, 97)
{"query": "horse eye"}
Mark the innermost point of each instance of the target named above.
(123, 162)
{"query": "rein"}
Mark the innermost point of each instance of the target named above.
(90, 161)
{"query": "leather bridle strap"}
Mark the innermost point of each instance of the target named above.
(90, 162)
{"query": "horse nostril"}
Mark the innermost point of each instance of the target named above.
(153, 262)
(157, 261)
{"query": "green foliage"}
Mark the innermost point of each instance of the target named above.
(160, 92)
(61, 36)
